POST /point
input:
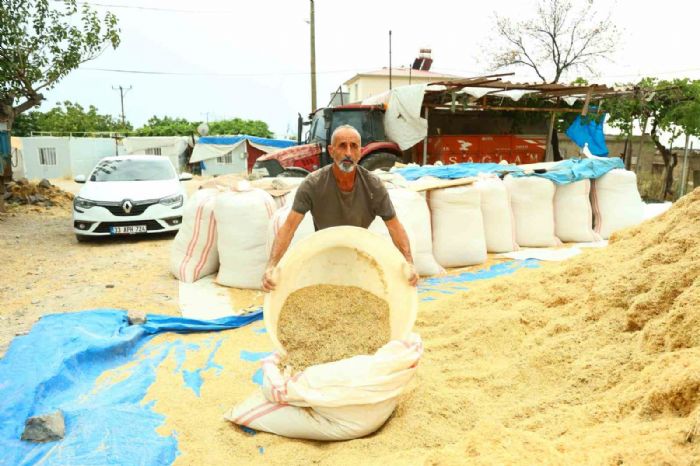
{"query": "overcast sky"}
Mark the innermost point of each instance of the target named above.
(251, 59)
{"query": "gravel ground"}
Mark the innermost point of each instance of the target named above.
(45, 270)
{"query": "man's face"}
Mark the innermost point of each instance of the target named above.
(345, 150)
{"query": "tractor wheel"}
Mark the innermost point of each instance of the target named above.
(379, 161)
(293, 172)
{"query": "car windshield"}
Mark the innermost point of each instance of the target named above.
(133, 170)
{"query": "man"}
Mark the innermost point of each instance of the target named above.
(342, 193)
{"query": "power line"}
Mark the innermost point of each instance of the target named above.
(223, 75)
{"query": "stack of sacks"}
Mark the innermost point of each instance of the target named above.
(243, 215)
(305, 228)
(413, 213)
(532, 201)
(616, 202)
(499, 224)
(194, 252)
(572, 213)
(458, 226)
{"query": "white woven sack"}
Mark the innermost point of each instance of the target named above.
(305, 228)
(499, 224)
(194, 253)
(573, 215)
(532, 201)
(243, 218)
(340, 400)
(413, 213)
(616, 202)
(458, 226)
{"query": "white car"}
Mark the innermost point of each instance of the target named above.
(126, 195)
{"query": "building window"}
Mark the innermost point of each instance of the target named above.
(153, 151)
(47, 156)
(226, 158)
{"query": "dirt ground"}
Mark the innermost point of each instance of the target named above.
(45, 270)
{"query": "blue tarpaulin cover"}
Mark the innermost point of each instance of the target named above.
(55, 367)
(587, 130)
(566, 171)
(229, 140)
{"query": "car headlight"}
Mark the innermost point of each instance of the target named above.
(172, 201)
(81, 203)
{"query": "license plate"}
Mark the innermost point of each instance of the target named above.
(128, 230)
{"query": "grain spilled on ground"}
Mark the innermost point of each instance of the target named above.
(326, 323)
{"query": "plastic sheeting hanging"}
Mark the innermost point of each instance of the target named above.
(587, 130)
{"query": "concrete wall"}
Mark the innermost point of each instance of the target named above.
(86, 152)
(239, 163)
(34, 170)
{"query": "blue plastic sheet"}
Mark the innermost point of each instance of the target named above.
(229, 140)
(587, 130)
(454, 171)
(572, 170)
(55, 367)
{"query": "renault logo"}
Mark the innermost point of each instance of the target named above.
(127, 205)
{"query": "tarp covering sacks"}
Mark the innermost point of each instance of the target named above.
(499, 224)
(243, 218)
(194, 253)
(572, 170)
(60, 364)
(454, 171)
(573, 215)
(340, 400)
(532, 201)
(413, 213)
(616, 202)
(458, 227)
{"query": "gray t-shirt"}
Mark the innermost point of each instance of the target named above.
(329, 206)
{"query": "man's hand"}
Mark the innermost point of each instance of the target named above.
(268, 284)
(411, 274)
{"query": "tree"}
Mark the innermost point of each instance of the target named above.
(671, 107)
(40, 43)
(167, 126)
(240, 126)
(556, 40)
(67, 117)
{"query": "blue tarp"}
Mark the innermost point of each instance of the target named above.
(572, 170)
(587, 130)
(454, 171)
(55, 367)
(230, 140)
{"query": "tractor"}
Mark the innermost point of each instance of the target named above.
(311, 153)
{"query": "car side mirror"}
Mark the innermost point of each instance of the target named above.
(79, 179)
(185, 176)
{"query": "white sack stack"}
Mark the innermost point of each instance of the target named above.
(616, 202)
(413, 213)
(194, 253)
(499, 224)
(243, 218)
(573, 215)
(532, 201)
(458, 226)
(305, 228)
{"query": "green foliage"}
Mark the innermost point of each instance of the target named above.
(239, 126)
(41, 41)
(67, 117)
(167, 126)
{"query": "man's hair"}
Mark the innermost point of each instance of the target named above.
(342, 127)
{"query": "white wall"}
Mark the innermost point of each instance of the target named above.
(239, 163)
(86, 152)
(34, 170)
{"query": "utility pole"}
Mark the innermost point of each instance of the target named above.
(389, 59)
(312, 24)
(122, 92)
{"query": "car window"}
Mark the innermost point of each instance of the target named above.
(133, 170)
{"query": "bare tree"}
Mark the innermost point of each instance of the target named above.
(558, 38)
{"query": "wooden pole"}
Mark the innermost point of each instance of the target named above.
(684, 171)
(312, 24)
(548, 155)
(425, 141)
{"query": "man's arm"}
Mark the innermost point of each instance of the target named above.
(400, 239)
(279, 247)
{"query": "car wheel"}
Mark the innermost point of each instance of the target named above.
(82, 238)
(293, 172)
(379, 161)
